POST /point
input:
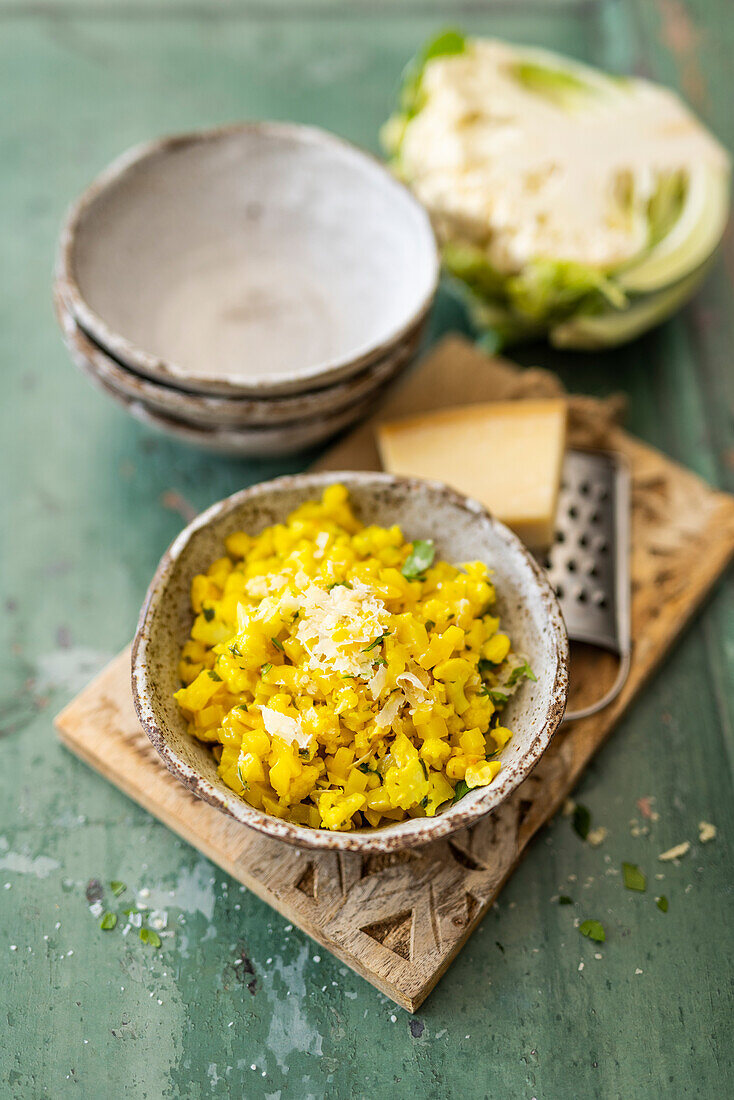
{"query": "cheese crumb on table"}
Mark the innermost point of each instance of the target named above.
(507, 454)
(675, 853)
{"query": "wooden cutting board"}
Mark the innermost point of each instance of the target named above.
(399, 920)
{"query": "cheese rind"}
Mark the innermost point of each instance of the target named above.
(508, 455)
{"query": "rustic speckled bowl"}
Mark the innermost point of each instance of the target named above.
(253, 260)
(260, 441)
(462, 530)
(207, 411)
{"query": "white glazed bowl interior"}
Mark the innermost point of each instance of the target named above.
(462, 531)
(263, 256)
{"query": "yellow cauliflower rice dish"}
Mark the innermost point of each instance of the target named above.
(344, 676)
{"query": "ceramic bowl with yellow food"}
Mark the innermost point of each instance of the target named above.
(350, 661)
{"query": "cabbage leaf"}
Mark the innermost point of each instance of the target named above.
(410, 97)
(548, 290)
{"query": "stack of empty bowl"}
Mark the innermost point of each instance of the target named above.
(250, 289)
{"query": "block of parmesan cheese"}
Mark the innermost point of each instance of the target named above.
(506, 454)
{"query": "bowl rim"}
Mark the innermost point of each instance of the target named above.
(385, 839)
(162, 370)
(245, 441)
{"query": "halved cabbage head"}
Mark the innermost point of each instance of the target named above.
(566, 201)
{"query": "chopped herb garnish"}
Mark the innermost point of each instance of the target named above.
(379, 661)
(521, 672)
(430, 624)
(117, 887)
(364, 767)
(147, 935)
(338, 584)
(108, 922)
(234, 650)
(304, 754)
(461, 788)
(498, 944)
(265, 668)
(130, 909)
(242, 780)
(565, 900)
(425, 769)
(377, 641)
(277, 644)
(215, 676)
(499, 698)
(419, 559)
(242, 706)
(484, 667)
(208, 613)
(662, 903)
(295, 616)
(424, 802)
(633, 877)
(581, 821)
(593, 930)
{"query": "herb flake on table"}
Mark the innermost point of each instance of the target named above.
(108, 922)
(633, 878)
(593, 930)
(565, 900)
(147, 935)
(662, 903)
(581, 821)
(117, 887)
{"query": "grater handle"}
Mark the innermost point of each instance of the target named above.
(606, 699)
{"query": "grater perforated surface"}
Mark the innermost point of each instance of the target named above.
(588, 563)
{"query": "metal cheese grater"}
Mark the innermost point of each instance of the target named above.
(588, 564)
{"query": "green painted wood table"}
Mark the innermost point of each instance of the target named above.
(235, 1001)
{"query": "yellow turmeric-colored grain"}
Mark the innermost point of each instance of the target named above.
(346, 676)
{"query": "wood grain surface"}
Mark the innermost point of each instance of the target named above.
(399, 921)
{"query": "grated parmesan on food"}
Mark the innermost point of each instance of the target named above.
(280, 725)
(336, 626)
